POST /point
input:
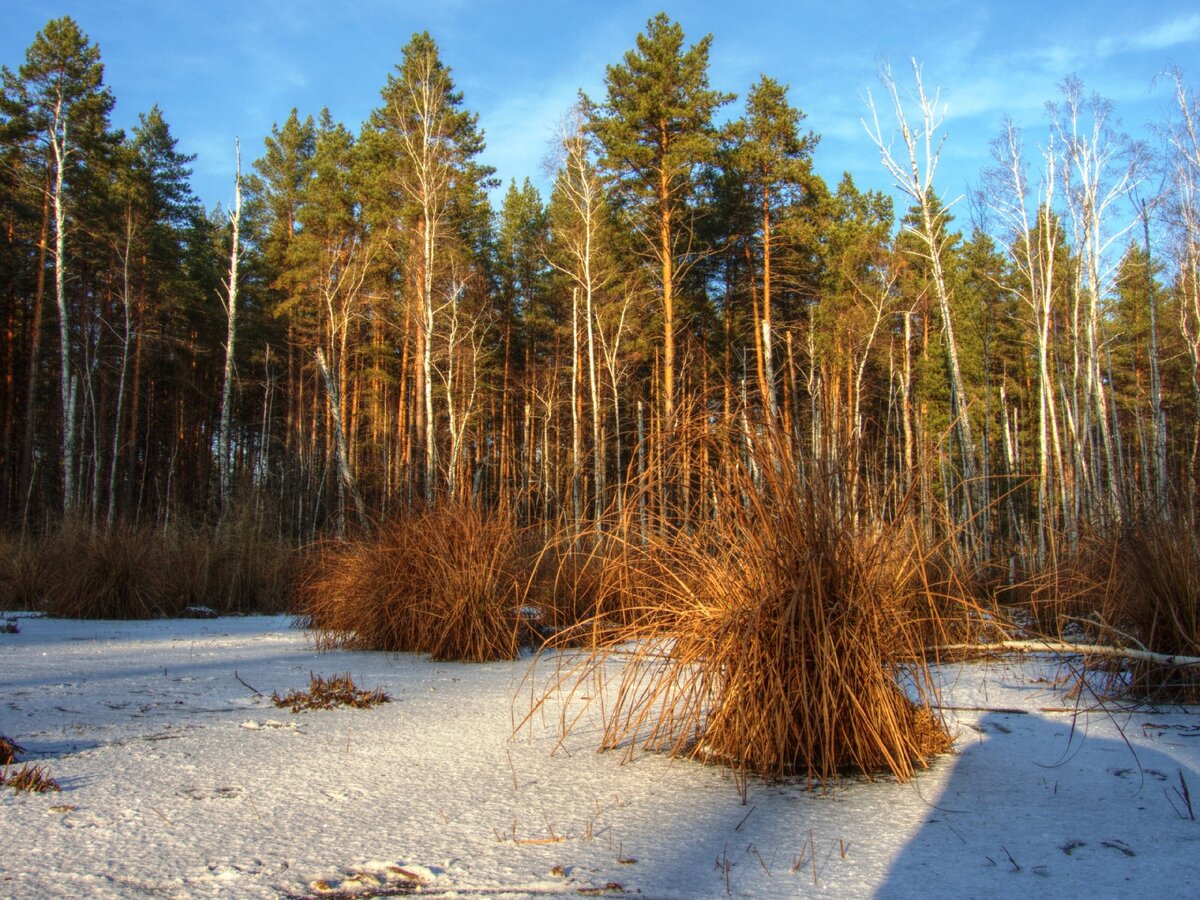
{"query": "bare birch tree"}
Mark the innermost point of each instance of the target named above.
(1097, 172)
(1184, 140)
(577, 252)
(1032, 246)
(913, 171)
(230, 300)
(59, 96)
(435, 142)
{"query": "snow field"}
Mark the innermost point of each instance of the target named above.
(180, 781)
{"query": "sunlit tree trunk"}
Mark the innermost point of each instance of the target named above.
(1097, 173)
(225, 461)
(35, 344)
(68, 385)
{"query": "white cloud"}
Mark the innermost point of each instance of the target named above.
(1173, 33)
(1169, 34)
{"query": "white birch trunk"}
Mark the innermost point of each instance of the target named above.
(225, 462)
(68, 386)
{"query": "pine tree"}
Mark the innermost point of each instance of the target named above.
(656, 135)
(151, 204)
(775, 160)
(526, 317)
(60, 90)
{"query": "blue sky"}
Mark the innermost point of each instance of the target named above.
(220, 69)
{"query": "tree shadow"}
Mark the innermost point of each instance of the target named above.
(1034, 804)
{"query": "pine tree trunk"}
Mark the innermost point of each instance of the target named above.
(768, 355)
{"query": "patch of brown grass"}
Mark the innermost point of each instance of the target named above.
(330, 693)
(116, 573)
(1152, 600)
(451, 581)
(784, 634)
(9, 751)
(30, 779)
(1137, 589)
(1068, 591)
(233, 568)
(24, 572)
(589, 584)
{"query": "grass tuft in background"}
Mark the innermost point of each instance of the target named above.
(451, 581)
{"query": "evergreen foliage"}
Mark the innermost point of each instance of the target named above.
(402, 343)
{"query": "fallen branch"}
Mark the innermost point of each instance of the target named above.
(1162, 659)
(251, 687)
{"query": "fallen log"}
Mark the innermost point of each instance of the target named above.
(1032, 646)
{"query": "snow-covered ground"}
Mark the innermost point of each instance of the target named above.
(179, 781)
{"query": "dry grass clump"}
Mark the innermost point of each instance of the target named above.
(786, 634)
(569, 587)
(451, 581)
(9, 751)
(30, 779)
(329, 693)
(116, 573)
(233, 568)
(1137, 590)
(589, 584)
(24, 572)
(1152, 602)
(1067, 591)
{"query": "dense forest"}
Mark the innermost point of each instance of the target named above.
(362, 335)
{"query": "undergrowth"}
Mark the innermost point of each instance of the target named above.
(141, 572)
(30, 779)
(1133, 588)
